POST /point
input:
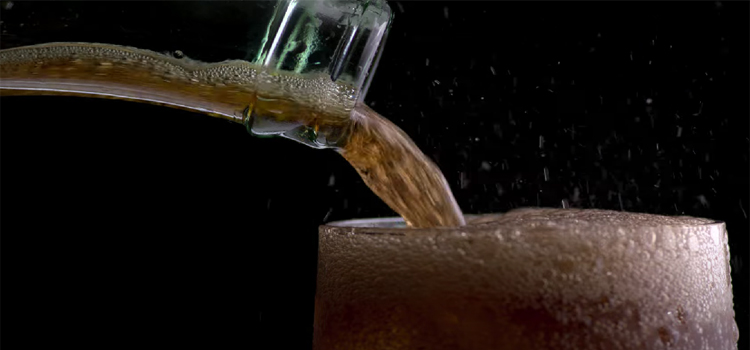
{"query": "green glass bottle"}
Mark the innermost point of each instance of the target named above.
(293, 68)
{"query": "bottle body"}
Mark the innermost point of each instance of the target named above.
(282, 68)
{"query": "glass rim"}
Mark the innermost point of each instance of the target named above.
(396, 225)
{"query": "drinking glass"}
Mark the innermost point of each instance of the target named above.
(528, 279)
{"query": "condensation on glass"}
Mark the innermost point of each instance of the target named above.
(528, 279)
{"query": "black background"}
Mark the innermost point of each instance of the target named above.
(125, 223)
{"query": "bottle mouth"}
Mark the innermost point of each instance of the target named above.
(310, 42)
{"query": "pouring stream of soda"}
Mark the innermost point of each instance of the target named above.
(386, 158)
